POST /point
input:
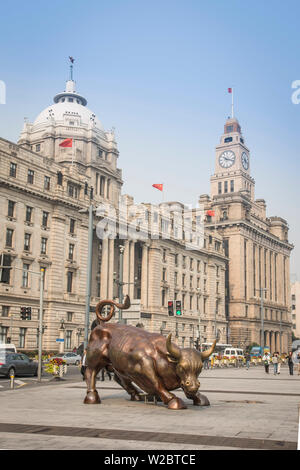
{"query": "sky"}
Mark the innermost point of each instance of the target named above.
(159, 72)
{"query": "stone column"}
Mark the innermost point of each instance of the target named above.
(145, 272)
(131, 268)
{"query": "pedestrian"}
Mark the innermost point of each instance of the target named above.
(266, 359)
(290, 363)
(248, 359)
(83, 365)
(103, 374)
(298, 357)
(206, 363)
(275, 362)
(279, 363)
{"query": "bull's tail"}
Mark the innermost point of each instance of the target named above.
(102, 303)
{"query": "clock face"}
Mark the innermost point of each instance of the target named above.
(227, 159)
(245, 160)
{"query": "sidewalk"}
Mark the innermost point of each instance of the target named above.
(249, 410)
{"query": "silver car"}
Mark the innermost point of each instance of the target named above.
(69, 358)
(17, 364)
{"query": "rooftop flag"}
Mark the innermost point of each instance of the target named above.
(66, 143)
(158, 186)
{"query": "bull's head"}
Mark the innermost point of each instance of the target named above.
(189, 363)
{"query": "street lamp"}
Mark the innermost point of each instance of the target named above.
(89, 272)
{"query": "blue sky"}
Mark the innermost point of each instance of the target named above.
(158, 72)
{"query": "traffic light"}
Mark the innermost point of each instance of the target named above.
(196, 343)
(171, 308)
(28, 313)
(178, 307)
(23, 313)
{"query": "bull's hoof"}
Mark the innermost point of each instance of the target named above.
(92, 398)
(135, 397)
(176, 404)
(201, 400)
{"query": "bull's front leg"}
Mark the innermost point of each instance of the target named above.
(153, 385)
(92, 396)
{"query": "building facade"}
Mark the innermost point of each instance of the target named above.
(257, 246)
(295, 292)
(45, 192)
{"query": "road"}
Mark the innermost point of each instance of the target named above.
(249, 410)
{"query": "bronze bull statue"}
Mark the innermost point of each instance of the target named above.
(149, 360)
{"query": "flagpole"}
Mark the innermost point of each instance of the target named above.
(232, 114)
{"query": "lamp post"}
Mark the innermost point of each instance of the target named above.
(41, 324)
(89, 273)
(121, 248)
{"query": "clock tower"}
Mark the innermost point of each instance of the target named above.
(232, 167)
(256, 246)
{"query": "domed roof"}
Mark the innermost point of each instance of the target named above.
(69, 108)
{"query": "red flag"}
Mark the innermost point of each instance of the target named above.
(158, 186)
(229, 90)
(210, 213)
(66, 143)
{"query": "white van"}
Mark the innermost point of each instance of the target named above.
(7, 347)
(234, 353)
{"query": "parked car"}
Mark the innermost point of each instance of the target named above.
(70, 358)
(16, 364)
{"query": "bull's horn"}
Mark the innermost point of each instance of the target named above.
(206, 354)
(172, 349)
(102, 303)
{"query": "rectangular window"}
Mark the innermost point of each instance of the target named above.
(69, 281)
(219, 187)
(38, 147)
(225, 186)
(11, 209)
(232, 186)
(25, 275)
(70, 316)
(71, 251)
(191, 302)
(3, 334)
(22, 337)
(183, 280)
(72, 226)
(13, 170)
(5, 260)
(45, 219)
(47, 183)
(44, 245)
(27, 238)
(9, 237)
(69, 339)
(72, 190)
(5, 311)
(30, 176)
(102, 183)
(28, 213)
(163, 297)
(176, 260)
(175, 278)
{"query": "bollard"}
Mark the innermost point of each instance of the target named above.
(12, 382)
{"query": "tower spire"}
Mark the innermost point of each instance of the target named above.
(230, 90)
(71, 67)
